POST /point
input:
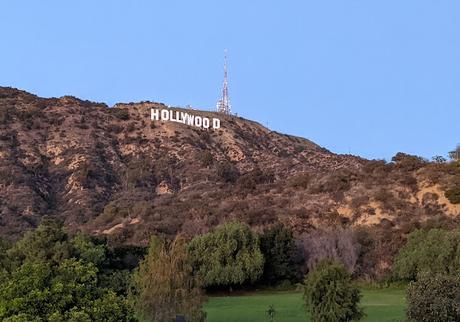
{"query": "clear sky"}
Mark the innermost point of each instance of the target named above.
(367, 77)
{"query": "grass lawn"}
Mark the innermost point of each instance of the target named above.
(380, 305)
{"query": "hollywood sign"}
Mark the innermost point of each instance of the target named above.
(184, 118)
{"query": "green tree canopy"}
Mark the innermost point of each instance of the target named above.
(434, 298)
(43, 292)
(164, 284)
(48, 243)
(229, 255)
(53, 277)
(278, 247)
(435, 251)
(4, 260)
(330, 295)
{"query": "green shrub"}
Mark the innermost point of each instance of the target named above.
(434, 299)
(330, 295)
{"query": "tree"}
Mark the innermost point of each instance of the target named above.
(85, 249)
(278, 248)
(4, 261)
(55, 278)
(164, 284)
(434, 251)
(48, 243)
(338, 244)
(408, 162)
(330, 295)
(63, 292)
(434, 298)
(230, 255)
(438, 159)
(454, 155)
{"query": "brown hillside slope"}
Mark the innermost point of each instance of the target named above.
(111, 171)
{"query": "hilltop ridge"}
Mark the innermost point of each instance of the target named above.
(114, 172)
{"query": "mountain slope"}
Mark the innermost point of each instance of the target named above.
(114, 172)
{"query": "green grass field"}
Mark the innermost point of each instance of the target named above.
(380, 305)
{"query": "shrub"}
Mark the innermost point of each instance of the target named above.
(453, 194)
(434, 299)
(130, 127)
(330, 295)
(204, 136)
(206, 158)
(227, 171)
(229, 255)
(251, 179)
(300, 180)
(408, 162)
(4, 115)
(337, 181)
(378, 166)
(120, 113)
(114, 128)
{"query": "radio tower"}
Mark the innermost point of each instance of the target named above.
(223, 105)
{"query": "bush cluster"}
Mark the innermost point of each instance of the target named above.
(430, 260)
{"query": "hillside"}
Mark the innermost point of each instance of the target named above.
(114, 172)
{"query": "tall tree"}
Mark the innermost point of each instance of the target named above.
(432, 251)
(49, 243)
(229, 255)
(164, 284)
(278, 247)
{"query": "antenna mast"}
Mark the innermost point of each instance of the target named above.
(223, 105)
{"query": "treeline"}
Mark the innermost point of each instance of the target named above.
(49, 275)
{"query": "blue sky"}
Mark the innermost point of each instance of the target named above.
(367, 77)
